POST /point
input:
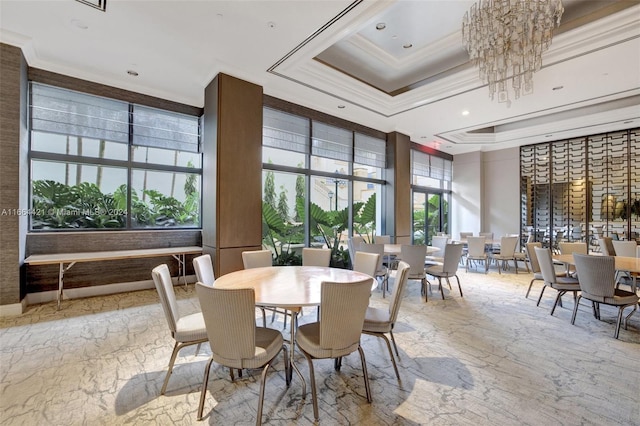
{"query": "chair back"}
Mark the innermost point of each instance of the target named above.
(533, 259)
(576, 233)
(625, 248)
(367, 263)
(414, 256)
(316, 256)
(342, 310)
(452, 254)
(162, 280)
(570, 248)
(382, 239)
(440, 241)
(204, 269)
(638, 251)
(606, 245)
(257, 259)
(487, 235)
(465, 235)
(597, 276)
(508, 245)
(546, 264)
(402, 275)
(476, 246)
(230, 320)
(374, 248)
(353, 244)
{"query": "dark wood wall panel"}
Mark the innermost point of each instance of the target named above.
(12, 171)
(401, 146)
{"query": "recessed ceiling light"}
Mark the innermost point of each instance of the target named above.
(394, 36)
(381, 26)
(423, 137)
(558, 88)
(449, 146)
(547, 136)
(132, 73)
(271, 24)
(465, 112)
(341, 106)
(407, 45)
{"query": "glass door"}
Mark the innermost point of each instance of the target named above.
(430, 215)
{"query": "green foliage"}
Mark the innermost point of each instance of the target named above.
(283, 207)
(269, 195)
(280, 234)
(364, 219)
(59, 206)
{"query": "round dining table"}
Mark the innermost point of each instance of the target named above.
(288, 287)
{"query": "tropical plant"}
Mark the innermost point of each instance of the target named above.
(364, 218)
(280, 235)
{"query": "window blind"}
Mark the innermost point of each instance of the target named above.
(165, 129)
(66, 112)
(420, 163)
(331, 142)
(370, 151)
(285, 131)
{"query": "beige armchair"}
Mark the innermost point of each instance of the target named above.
(597, 282)
(337, 334)
(185, 330)
(203, 267)
(561, 284)
(378, 321)
(316, 257)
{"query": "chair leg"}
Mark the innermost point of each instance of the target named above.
(365, 373)
(617, 332)
(529, 289)
(560, 293)
(459, 288)
(264, 318)
(261, 400)
(393, 360)
(203, 392)
(394, 343)
(313, 386)
(176, 348)
(441, 289)
(575, 311)
(540, 297)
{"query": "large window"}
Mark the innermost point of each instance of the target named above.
(431, 188)
(321, 184)
(99, 163)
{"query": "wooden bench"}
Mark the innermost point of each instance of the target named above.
(67, 260)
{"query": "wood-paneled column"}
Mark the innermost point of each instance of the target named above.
(232, 171)
(13, 176)
(398, 205)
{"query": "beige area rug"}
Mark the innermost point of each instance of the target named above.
(489, 358)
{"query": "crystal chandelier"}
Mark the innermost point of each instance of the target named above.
(506, 39)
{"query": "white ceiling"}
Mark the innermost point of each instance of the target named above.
(327, 53)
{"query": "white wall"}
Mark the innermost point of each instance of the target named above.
(486, 192)
(466, 200)
(501, 192)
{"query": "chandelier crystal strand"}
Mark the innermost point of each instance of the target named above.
(506, 39)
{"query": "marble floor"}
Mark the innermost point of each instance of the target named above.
(490, 358)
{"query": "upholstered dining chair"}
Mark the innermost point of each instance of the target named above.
(203, 267)
(625, 248)
(337, 333)
(597, 282)
(440, 242)
(230, 323)
(521, 253)
(535, 266)
(185, 330)
(448, 269)
(476, 252)
(257, 258)
(561, 284)
(367, 263)
(382, 239)
(571, 248)
(465, 235)
(353, 244)
(316, 256)
(378, 321)
(414, 256)
(261, 259)
(507, 253)
(606, 246)
(382, 272)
